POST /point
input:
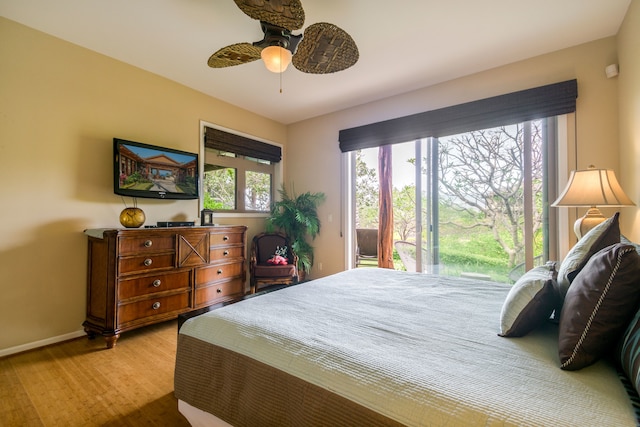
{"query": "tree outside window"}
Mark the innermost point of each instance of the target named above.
(480, 200)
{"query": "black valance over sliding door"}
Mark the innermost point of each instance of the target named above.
(544, 101)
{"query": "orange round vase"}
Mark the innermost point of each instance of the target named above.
(132, 217)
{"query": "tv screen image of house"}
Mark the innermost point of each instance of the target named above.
(143, 170)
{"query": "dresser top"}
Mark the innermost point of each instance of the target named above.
(98, 233)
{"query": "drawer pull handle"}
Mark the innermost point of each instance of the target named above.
(220, 271)
(156, 305)
(225, 238)
(148, 262)
(225, 253)
(219, 290)
(148, 243)
(156, 283)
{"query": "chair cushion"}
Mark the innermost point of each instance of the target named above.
(274, 271)
(267, 245)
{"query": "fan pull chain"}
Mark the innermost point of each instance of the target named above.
(281, 71)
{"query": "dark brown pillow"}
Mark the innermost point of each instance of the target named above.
(598, 306)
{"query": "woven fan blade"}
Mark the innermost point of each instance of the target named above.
(287, 14)
(324, 49)
(235, 54)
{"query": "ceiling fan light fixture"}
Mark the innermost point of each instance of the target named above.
(276, 58)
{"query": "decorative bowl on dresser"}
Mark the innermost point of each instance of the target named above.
(138, 277)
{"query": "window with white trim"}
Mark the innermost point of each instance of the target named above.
(238, 173)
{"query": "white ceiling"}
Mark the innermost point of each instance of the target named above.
(404, 44)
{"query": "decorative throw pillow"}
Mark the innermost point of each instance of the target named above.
(530, 302)
(598, 306)
(277, 260)
(626, 241)
(604, 234)
(628, 353)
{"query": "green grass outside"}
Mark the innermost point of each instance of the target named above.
(478, 254)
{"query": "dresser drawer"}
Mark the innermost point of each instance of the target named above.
(226, 238)
(146, 243)
(193, 248)
(151, 284)
(144, 263)
(222, 254)
(218, 292)
(213, 273)
(153, 307)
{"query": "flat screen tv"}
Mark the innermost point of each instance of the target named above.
(143, 170)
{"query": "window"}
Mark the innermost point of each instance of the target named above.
(239, 172)
(257, 191)
(467, 204)
(474, 174)
(219, 187)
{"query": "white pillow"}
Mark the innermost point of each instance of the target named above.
(605, 234)
(530, 302)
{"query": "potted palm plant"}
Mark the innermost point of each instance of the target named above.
(297, 217)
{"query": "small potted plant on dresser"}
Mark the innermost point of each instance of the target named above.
(297, 217)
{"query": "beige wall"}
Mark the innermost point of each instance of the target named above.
(314, 156)
(629, 107)
(60, 107)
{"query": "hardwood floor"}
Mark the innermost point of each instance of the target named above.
(81, 383)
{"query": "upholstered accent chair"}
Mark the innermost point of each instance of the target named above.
(262, 271)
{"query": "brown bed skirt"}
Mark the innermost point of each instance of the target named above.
(245, 392)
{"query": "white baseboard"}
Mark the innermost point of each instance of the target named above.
(41, 343)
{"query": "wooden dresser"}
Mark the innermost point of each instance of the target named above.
(138, 277)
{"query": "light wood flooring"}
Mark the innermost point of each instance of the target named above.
(81, 383)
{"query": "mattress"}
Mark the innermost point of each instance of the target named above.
(381, 347)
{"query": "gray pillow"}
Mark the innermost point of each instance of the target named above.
(530, 302)
(628, 352)
(604, 234)
(626, 241)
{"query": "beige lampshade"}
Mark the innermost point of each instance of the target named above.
(276, 58)
(592, 187)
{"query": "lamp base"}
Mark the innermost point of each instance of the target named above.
(592, 218)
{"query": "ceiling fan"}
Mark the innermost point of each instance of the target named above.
(322, 48)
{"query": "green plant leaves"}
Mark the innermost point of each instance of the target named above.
(297, 217)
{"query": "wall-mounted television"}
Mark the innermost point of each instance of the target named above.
(143, 170)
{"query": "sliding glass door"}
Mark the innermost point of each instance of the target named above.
(471, 204)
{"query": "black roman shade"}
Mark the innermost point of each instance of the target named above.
(224, 141)
(544, 101)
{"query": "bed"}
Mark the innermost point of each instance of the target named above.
(380, 347)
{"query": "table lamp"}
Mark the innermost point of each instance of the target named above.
(592, 187)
